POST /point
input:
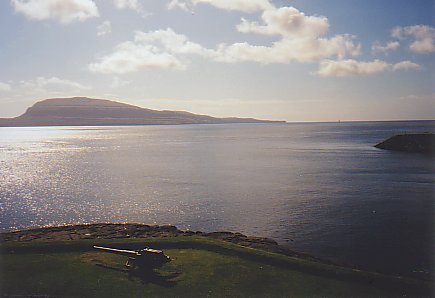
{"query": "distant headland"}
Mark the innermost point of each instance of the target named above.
(84, 111)
(416, 143)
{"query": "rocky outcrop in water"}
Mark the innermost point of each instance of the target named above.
(417, 143)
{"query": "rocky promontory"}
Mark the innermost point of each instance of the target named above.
(417, 143)
(131, 230)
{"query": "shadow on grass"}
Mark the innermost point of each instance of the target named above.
(146, 276)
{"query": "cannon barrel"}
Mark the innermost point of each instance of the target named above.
(124, 252)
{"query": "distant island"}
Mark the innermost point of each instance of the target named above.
(83, 111)
(416, 143)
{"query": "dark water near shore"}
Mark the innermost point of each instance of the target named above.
(320, 188)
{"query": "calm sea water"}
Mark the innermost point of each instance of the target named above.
(320, 188)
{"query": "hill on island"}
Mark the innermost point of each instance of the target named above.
(83, 111)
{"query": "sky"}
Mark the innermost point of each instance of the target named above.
(296, 60)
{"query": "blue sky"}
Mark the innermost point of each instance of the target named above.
(310, 60)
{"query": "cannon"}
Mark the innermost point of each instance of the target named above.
(140, 258)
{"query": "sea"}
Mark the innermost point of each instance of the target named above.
(319, 188)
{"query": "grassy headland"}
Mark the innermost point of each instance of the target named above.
(45, 262)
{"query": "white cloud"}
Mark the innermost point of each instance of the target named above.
(172, 42)
(104, 28)
(240, 5)
(302, 39)
(288, 50)
(130, 57)
(133, 5)
(350, 67)
(180, 4)
(396, 32)
(159, 49)
(237, 5)
(406, 65)
(288, 22)
(63, 11)
(390, 46)
(4, 87)
(423, 37)
(41, 82)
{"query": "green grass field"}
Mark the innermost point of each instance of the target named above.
(200, 267)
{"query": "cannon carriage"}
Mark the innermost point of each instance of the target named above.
(140, 258)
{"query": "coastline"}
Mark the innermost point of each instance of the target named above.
(120, 231)
(74, 242)
(100, 231)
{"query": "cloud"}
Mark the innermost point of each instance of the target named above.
(104, 28)
(301, 39)
(288, 50)
(240, 5)
(288, 22)
(391, 46)
(133, 5)
(406, 65)
(350, 67)
(41, 82)
(63, 11)
(397, 33)
(423, 37)
(130, 57)
(237, 5)
(172, 42)
(159, 49)
(180, 4)
(4, 87)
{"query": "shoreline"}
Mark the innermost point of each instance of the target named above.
(116, 231)
(265, 251)
(53, 256)
(100, 231)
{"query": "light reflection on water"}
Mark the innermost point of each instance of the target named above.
(321, 188)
